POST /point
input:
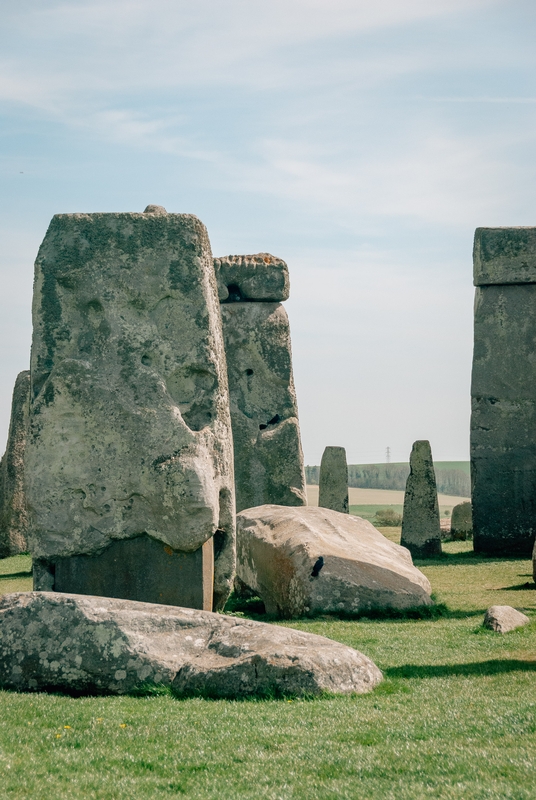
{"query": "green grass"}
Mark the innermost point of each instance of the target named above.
(16, 574)
(369, 511)
(454, 718)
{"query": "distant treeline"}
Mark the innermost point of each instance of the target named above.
(453, 479)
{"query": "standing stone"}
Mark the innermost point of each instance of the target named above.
(421, 529)
(268, 456)
(461, 524)
(503, 392)
(333, 481)
(129, 456)
(13, 512)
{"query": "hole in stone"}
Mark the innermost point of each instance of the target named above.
(249, 372)
(235, 293)
(219, 543)
(272, 421)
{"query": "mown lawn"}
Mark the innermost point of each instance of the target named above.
(454, 718)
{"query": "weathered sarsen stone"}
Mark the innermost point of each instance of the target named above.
(268, 456)
(504, 619)
(313, 560)
(461, 524)
(83, 644)
(130, 448)
(333, 480)
(503, 392)
(13, 511)
(421, 528)
(260, 277)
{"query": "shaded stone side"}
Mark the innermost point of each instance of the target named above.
(421, 529)
(461, 524)
(333, 480)
(13, 511)
(257, 277)
(268, 456)
(503, 420)
(129, 418)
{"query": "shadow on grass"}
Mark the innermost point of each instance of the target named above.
(253, 608)
(469, 558)
(520, 587)
(11, 575)
(492, 667)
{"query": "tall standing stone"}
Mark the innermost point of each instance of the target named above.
(421, 528)
(13, 511)
(268, 456)
(503, 392)
(333, 480)
(129, 457)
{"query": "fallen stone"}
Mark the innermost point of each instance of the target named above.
(130, 438)
(13, 508)
(333, 480)
(313, 560)
(461, 521)
(82, 644)
(504, 619)
(268, 458)
(257, 277)
(421, 526)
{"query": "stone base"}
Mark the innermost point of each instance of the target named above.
(428, 549)
(141, 569)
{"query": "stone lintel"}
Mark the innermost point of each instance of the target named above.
(504, 255)
(252, 277)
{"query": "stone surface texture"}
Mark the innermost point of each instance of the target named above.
(504, 619)
(313, 560)
(461, 522)
(504, 256)
(333, 480)
(421, 528)
(256, 277)
(81, 644)
(129, 417)
(13, 510)
(268, 455)
(503, 392)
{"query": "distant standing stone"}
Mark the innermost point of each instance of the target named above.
(504, 619)
(421, 530)
(13, 510)
(461, 526)
(333, 482)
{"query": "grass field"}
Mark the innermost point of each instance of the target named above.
(455, 717)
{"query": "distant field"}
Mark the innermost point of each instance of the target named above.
(382, 497)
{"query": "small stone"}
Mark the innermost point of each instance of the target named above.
(333, 480)
(313, 560)
(155, 210)
(421, 527)
(504, 619)
(120, 643)
(13, 508)
(461, 524)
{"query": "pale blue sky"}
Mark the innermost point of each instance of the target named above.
(361, 140)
